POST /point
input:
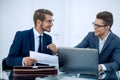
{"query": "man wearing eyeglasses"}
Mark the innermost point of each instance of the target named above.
(29, 40)
(103, 39)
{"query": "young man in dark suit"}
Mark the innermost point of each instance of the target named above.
(28, 40)
(103, 39)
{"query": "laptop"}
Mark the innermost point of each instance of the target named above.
(78, 60)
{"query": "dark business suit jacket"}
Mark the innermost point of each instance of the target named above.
(22, 44)
(110, 54)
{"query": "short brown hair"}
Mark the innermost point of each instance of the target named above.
(40, 14)
(106, 16)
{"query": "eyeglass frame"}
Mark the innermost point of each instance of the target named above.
(49, 21)
(97, 25)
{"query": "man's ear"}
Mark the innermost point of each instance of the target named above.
(108, 27)
(38, 21)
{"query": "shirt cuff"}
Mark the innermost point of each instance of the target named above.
(55, 54)
(103, 67)
(23, 62)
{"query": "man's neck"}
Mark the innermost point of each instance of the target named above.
(104, 36)
(40, 31)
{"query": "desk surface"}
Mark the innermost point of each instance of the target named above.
(106, 75)
(64, 76)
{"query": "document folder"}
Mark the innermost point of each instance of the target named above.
(31, 72)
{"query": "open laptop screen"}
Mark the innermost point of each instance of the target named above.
(78, 60)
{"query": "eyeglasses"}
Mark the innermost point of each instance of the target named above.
(49, 21)
(97, 25)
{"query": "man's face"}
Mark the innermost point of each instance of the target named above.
(47, 23)
(100, 28)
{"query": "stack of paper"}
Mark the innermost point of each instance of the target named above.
(43, 58)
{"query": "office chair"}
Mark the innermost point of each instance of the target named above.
(5, 70)
(5, 67)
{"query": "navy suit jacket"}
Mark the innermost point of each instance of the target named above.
(22, 44)
(110, 53)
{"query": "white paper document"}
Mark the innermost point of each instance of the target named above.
(43, 58)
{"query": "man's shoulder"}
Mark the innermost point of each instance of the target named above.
(115, 37)
(91, 33)
(25, 31)
(46, 35)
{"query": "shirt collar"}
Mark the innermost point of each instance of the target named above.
(105, 37)
(36, 34)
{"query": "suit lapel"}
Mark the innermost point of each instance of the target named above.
(96, 42)
(109, 39)
(32, 40)
(44, 42)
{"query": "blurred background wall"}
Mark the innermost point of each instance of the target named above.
(73, 19)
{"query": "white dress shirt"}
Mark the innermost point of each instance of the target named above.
(101, 44)
(36, 38)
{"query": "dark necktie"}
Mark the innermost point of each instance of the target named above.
(40, 44)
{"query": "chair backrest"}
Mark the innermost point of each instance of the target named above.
(5, 67)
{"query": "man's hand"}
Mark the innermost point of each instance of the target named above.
(99, 68)
(52, 47)
(29, 61)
